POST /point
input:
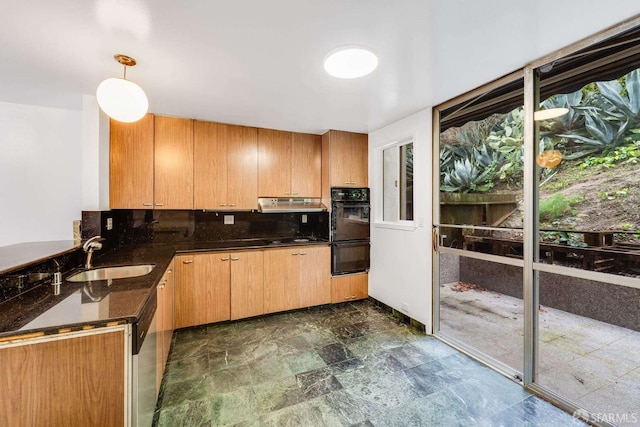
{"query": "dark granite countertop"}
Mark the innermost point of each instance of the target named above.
(14, 257)
(100, 303)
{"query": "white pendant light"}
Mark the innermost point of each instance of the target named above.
(350, 62)
(122, 99)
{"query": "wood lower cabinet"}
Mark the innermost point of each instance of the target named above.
(202, 289)
(315, 276)
(131, 164)
(247, 284)
(349, 287)
(173, 163)
(165, 322)
(296, 277)
(281, 280)
(75, 379)
(289, 164)
(225, 166)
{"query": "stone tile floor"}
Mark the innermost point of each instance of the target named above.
(345, 365)
(594, 364)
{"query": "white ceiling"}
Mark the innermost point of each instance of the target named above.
(259, 62)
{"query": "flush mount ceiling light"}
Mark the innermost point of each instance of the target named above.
(551, 113)
(122, 99)
(350, 62)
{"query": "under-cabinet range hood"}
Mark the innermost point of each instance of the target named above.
(279, 205)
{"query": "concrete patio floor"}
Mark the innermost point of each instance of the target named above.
(591, 363)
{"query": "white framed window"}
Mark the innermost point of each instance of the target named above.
(397, 185)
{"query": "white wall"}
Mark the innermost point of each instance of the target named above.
(401, 259)
(40, 172)
(95, 156)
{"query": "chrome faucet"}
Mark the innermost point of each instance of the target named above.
(89, 246)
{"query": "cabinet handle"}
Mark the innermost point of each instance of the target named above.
(222, 204)
(231, 204)
(287, 193)
(147, 204)
(159, 204)
(224, 259)
(169, 271)
(294, 253)
(294, 194)
(163, 284)
(187, 261)
(302, 253)
(234, 259)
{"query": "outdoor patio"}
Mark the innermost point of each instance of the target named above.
(589, 362)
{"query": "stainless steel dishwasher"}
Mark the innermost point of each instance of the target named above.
(144, 368)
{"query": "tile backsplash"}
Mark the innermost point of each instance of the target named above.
(132, 226)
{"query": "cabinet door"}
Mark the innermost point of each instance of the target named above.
(185, 295)
(306, 159)
(211, 272)
(315, 276)
(274, 163)
(173, 167)
(281, 279)
(247, 284)
(131, 164)
(359, 147)
(164, 322)
(209, 166)
(349, 287)
(77, 380)
(348, 159)
(242, 165)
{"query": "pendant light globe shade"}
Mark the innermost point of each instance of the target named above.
(122, 100)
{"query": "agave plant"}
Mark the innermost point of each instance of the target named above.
(625, 107)
(466, 176)
(602, 135)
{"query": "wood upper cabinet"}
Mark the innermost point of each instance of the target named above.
(349, 287)
(306, 169)
(73, 379)
(274, 163)
(225, 166)
(131, 164)
(247, 284)
(345, 159)
(289, 164)
(298, 276)
(173, 163)
(201, 289)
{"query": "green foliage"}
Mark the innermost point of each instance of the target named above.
(611, 112)
(508, 140)
(629, 153)
(555, 207)
(562, 237)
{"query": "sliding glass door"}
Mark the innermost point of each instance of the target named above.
(537, 226)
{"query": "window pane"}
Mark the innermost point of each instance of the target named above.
(587, 163)
(481, 305)
(589, 344)
(397, 175)
(406, 182)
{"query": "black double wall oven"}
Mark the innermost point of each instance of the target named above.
(350, 208)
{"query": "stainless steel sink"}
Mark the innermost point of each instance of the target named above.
(108, 273)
